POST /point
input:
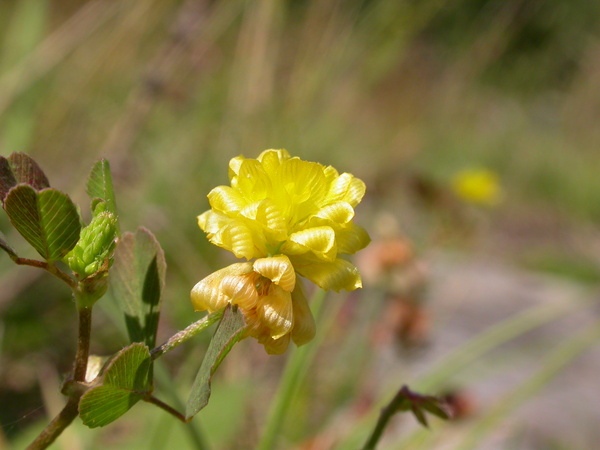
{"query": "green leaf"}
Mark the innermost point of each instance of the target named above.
(20, 168)
(47, 219)
(229, 331)
(124, 382)
(137, 280)
(100, 185)
(420, 415)
(7, 248)
(437, 407)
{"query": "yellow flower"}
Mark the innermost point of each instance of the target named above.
(291, 217)
(478, 186)
(277, 204)
(271, 299)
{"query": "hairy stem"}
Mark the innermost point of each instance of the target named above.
(191, 331)
(56, 426)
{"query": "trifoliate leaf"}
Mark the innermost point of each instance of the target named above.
(124, 382)
(47, 219)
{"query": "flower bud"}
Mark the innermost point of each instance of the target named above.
(93, 252)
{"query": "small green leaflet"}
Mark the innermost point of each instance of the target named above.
(230, 330)
(47, 219)
(124, 382)
(138, 277)
(100, 185)
(20, 168)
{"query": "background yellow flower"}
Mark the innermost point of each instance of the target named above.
(478, 186)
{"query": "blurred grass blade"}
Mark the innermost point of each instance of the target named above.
(26, 28)
(54, 49)
(138, 278)
(124, 382)
(228, 332)
(100, 185)
(20, 168)
(47, 219)
(296, 369)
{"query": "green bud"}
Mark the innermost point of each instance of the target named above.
(91, 289)
(93, 252)
(98, 206)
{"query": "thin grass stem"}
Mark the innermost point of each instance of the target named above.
(291, 380)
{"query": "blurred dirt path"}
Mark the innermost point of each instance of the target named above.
(467, 296)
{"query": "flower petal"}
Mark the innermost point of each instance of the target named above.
(336, 275)
(240, 239)
(351, 238)
(272, 159)
(275, 346)
(338, 212)
(240, 290)
(318, 240)
(234, 166)
(271, 217)
(346, 188)
(331, 174)
(304, 323)
(226, 200)
(252, 181)
(211, 222)
(207, 295)
(301, 180)
(278, 269)
(275, 311)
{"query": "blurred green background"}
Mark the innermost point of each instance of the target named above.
(403, 94)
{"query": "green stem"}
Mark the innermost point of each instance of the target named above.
(56, 426)
(293, 376)
(191, 331)
(50, 268)
(384, 417)
(192, 429)
(83, 343)
(70, 411)
(162, 405)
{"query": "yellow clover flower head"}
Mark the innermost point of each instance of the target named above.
(277, 204)
(291, 217)
(478, 186)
